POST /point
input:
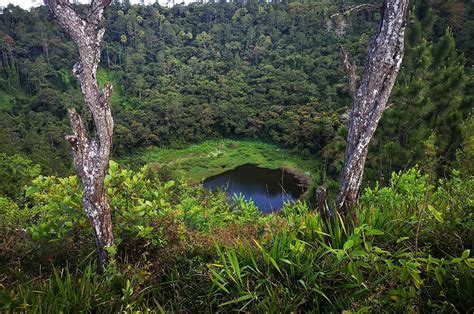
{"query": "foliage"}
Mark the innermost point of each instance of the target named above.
(182, 249)
(78, 292)
(465, 155)
(8, 209)
(141, 204)
(188, 74)
(270, 71)
(180, 75)
(371, 266)
(16, 172)
(428, 98)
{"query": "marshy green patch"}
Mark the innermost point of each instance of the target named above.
(199, 161)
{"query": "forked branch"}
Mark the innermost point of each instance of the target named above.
(91, 153)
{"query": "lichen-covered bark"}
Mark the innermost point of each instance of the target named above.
(91, 153)
(381, 68)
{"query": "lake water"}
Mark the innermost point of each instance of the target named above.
(268, 188)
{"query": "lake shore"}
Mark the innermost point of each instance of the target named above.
(199, 161)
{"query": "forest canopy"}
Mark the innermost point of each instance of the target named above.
(269, 71)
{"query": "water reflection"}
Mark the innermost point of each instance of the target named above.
(268, 188)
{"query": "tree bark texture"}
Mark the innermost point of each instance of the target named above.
(381, 68)
(91, 153)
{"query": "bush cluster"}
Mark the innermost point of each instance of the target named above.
(179, 248)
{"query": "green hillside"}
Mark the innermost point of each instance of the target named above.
(201, 89)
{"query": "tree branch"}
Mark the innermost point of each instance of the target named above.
(68, 18)
(87, 36)
(80, 132)
(91, 155)
(107, 94)
(350, 69)
(369, 101)
(356, 8)
(96, 11)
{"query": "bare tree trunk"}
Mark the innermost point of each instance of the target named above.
(91, 154)
(382, 65)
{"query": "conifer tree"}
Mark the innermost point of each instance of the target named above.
(445, 95)
(426, 99)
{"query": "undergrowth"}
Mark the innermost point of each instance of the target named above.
(181, 249)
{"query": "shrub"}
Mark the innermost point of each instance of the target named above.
(180, 248)
(16, 172)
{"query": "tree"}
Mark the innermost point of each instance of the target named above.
(16, 172)
(428, 97)
(383, 63)
(445, 95)
(91, 154)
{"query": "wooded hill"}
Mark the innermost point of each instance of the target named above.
(113, 238)
(268, 71)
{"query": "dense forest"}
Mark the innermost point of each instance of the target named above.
(239, 71)
(272, 72)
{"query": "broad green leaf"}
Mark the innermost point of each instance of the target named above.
(31, 190)
(239, 299)
(340, 255)
(402, 239)
(169, 184)
(437, 215)
(348, 244)
(470, 262)
(370, 232)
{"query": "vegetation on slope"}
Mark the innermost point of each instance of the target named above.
(269, 71)
(181, 249)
